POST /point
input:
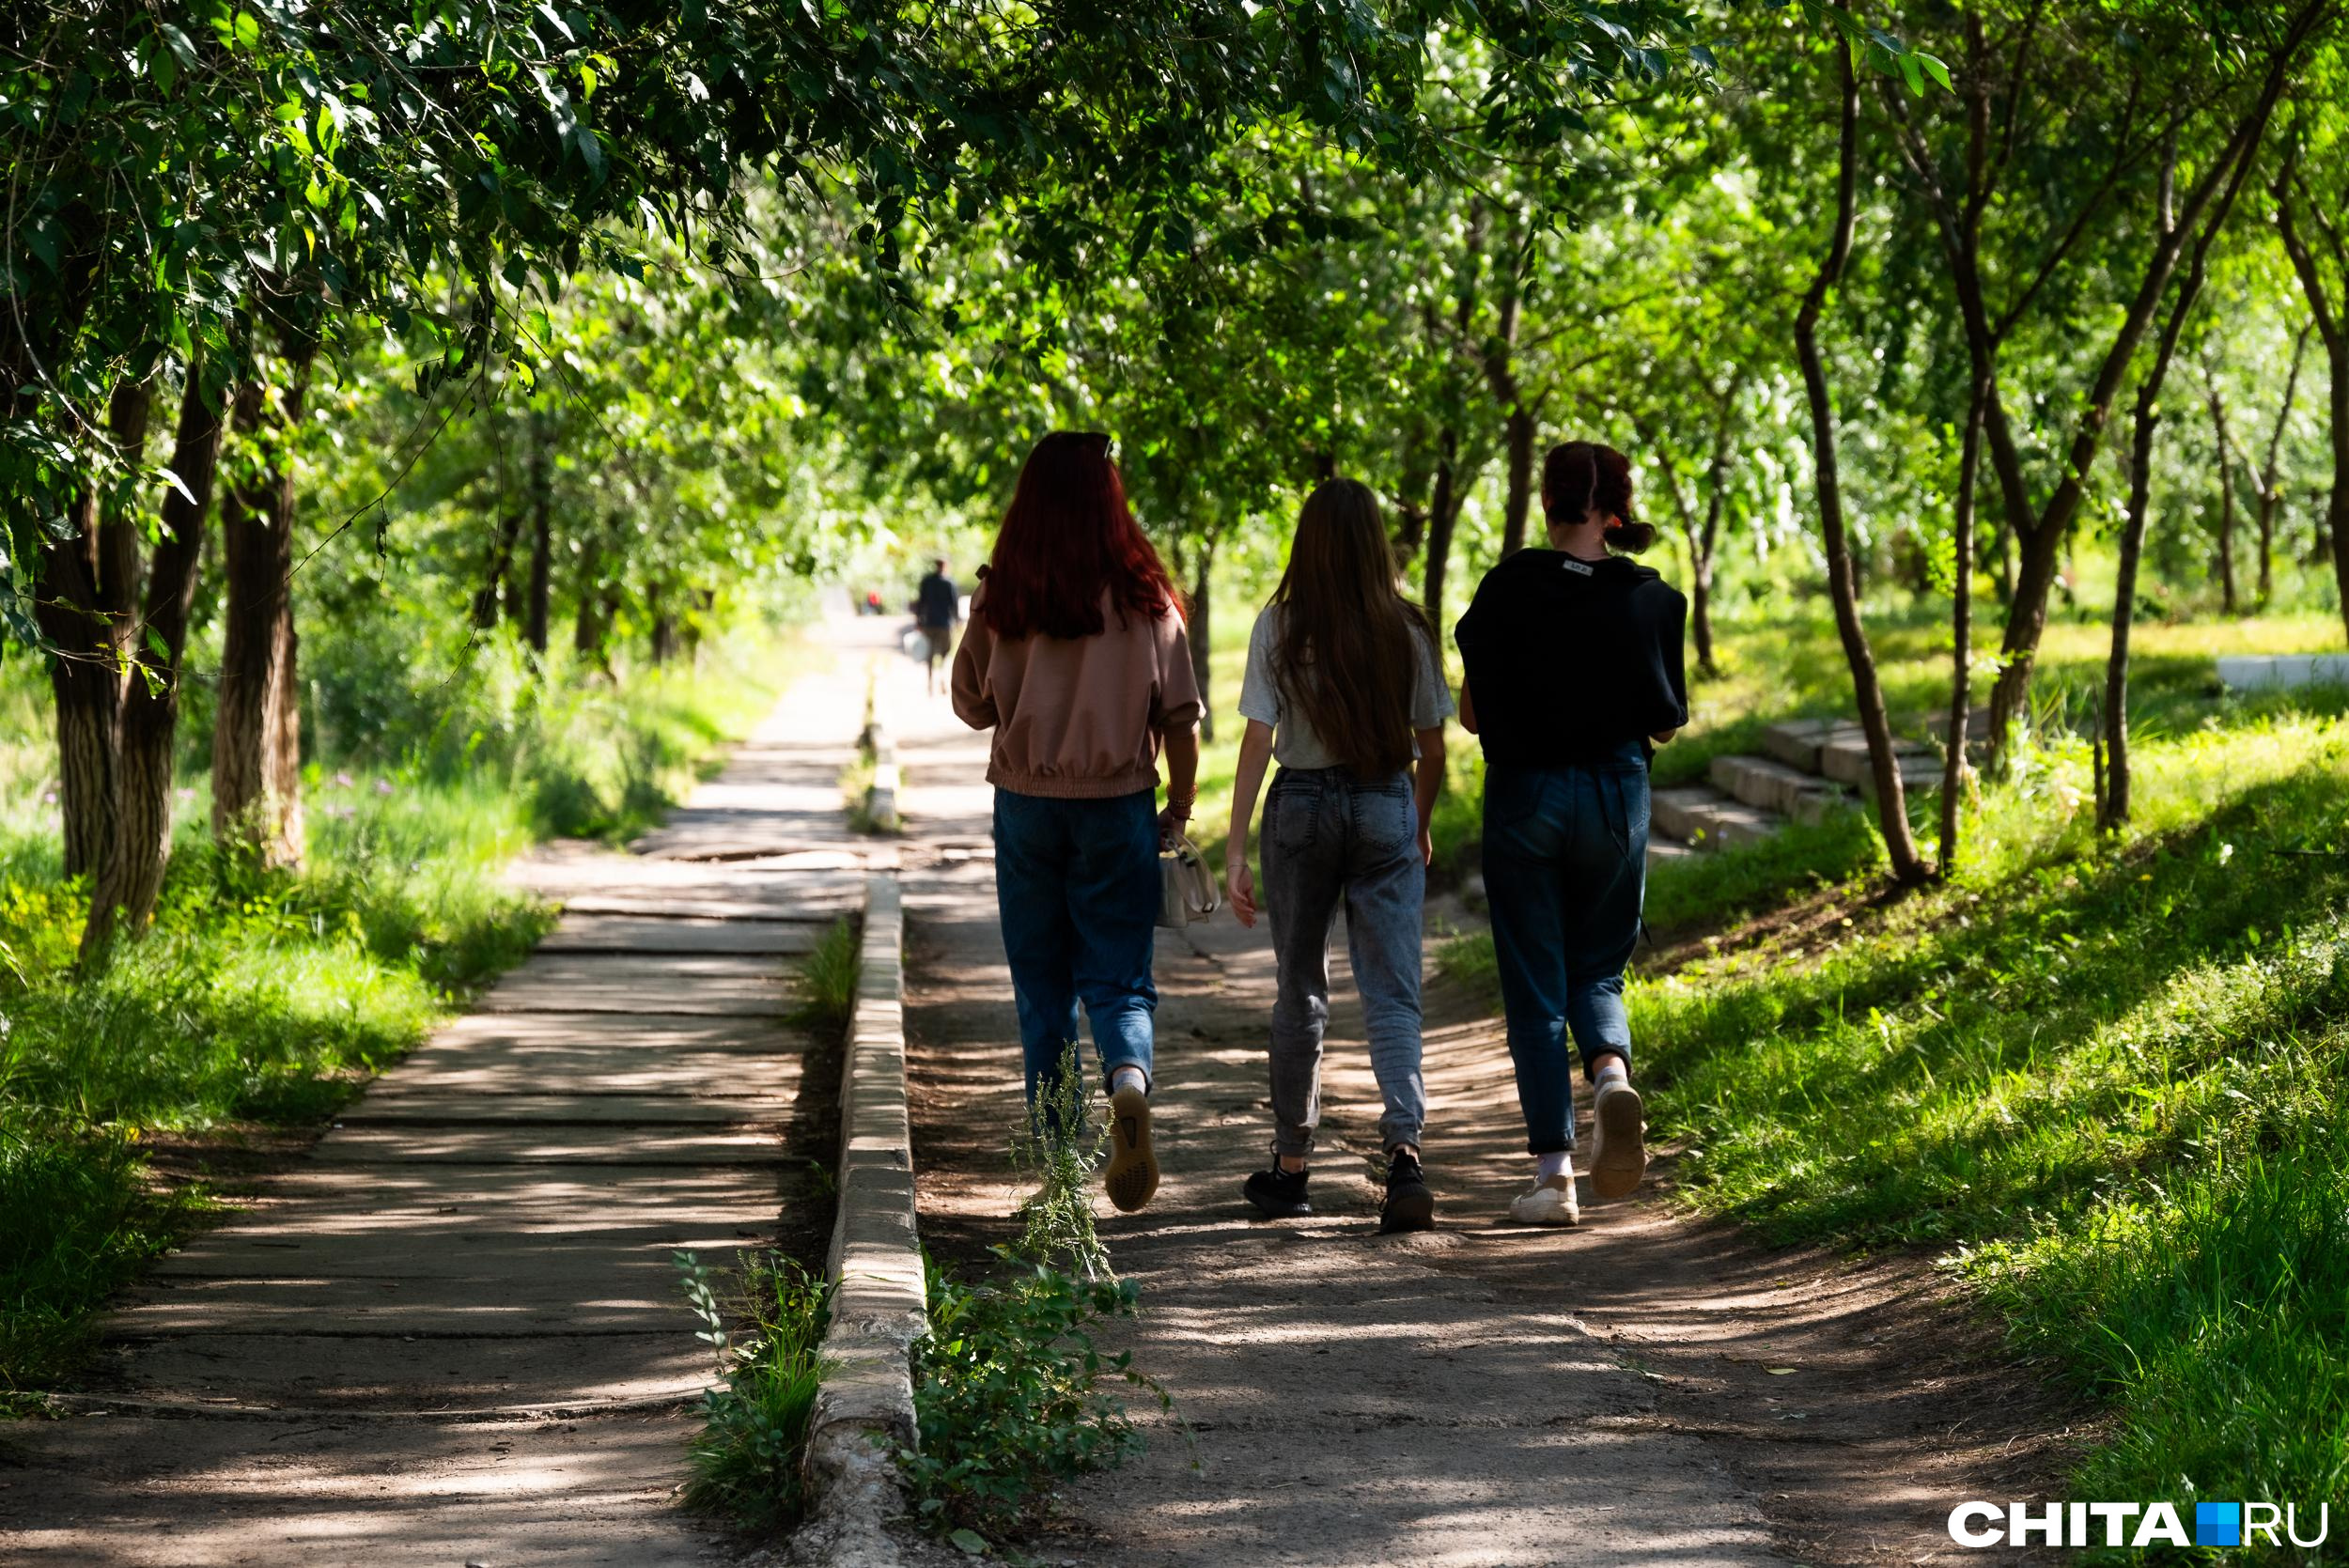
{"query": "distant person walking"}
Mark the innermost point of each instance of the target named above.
(1344, 690)
(1075, 655)
(1574, 670)
(937, 606)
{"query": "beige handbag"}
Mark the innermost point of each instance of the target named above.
(1187, 890)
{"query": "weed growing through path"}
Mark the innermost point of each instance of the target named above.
(1008, 1383)
(827, 978)
(749, 1459)
(1059, 1151)
(1008, 1402)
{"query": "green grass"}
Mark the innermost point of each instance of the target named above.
(749, 1460)
(2104, 1080)
(261, 1000)
(827, 978)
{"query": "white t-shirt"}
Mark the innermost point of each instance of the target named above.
(1294, 742)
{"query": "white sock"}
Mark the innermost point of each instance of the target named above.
(1612, 1067)
(1556, 1163)
(1128, 1076)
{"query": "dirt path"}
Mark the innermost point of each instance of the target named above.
(1485, 1394)
(453, 1332)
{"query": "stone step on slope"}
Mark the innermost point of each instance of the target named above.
(1700, 815)
(1797, 742)
(1774, 785)
(1844, 759)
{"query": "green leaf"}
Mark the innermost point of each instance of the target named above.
(970, 1541)
(248, 27)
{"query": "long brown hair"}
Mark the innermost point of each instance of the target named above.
(1343, 651)
(1069, 536)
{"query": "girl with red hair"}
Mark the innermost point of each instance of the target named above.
(1077, 657)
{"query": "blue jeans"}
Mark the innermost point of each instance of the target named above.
(1076, 883)
(1565, 869)
(1329, 838)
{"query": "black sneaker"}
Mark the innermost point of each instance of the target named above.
(1410, 1204)
(1280, 1193)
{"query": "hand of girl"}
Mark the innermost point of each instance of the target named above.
(1426, 846)
(1239, 889)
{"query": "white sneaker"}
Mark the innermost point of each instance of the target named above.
(1619, 1140)
(1551, 1202)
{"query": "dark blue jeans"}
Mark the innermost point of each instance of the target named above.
(1565, 868)
(1076, 883)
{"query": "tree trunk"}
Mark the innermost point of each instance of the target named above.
(2042, 530)
(1891, 799)
(485, 599)
(1517, 421)
(1443, 514)
(592, 617)
(1961, 633)
(2226, 502)
(2271, 492)
(88, 587)
(2334, 331)
(534, 625)
(664, 636)
(2113, 808)
(1700, 582)
(1201, 632)
(132, 872)
(2112, 800)
(1520, 494)
(257, 737)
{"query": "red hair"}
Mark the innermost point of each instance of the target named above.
(1067, 537)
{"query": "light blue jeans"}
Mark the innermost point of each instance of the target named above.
(1329, 840)
(1565, 870)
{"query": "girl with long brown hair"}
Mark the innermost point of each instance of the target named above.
(1344, 690)
(1077, 657)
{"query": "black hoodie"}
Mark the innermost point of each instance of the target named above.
(1569, 658)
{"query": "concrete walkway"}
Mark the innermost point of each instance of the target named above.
(1486, 1394)
(453, 1334)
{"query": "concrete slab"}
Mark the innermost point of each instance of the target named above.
(711, 984)
(679, 934)
(588, 1261)
(1844, 760)
(1774, 785)
(1735, 823)
(650, 1066)
(781, 903)
(412, 1372)
(1662, 849)
(414, 1104)
(1797, 742)
(127, 1492)
(639, 1296)
(532, 1143)
(2282, 672)
(1673, 812)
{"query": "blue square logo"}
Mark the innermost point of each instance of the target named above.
(2219, 1524)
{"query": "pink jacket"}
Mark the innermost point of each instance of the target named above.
(1077, 719)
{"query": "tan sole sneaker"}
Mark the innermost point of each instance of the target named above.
(1551, 1202)
(1619, 1148)
(1132, 1173)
